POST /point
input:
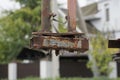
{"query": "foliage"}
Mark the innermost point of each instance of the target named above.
(16, 29)
(61, 27)
(98, 78)
(29, 3)
(101, 54)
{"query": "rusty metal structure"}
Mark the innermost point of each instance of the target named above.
(71, 41)
(114, 43)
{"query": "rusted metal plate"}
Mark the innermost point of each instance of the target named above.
(58, 34)
(114, 43)
(57, 42)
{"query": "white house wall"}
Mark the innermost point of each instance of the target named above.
(97, 23)
(102, 13)
(114, 16)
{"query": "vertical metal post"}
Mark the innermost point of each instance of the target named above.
(72, 15)
(45, 16)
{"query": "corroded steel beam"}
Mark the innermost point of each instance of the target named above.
(72, 15)
(45, 16)
(58, 42)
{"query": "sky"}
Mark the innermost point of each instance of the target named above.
(10, 4)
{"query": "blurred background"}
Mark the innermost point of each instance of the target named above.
(98, 19)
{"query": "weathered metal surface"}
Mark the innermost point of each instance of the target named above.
(72, 15)
(58, 34)
(58, 42)
(71, 41)
(45, 16)
(114, 43)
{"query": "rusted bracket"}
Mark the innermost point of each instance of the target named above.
(67, 41)
(71, 41)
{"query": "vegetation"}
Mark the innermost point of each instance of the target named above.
(61, 26)
(101, 54)
(16, 28)
(99, 78)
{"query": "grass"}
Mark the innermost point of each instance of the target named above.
(100, 78)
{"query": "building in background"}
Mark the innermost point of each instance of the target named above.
(91, 1)
(104, 15)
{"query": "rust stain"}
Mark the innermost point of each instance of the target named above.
(71, 41)
(58, 42)
(72, 15)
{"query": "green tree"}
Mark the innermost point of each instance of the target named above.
(101, 54)
(29, 3)
(16, 28)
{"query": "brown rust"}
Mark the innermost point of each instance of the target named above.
(72, 15)
(71, 41)
(58, 34)
(45, 16)
(57, 43)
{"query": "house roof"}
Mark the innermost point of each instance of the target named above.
(77, 57)
(30, 54)
(71, 55)
(91, 29)
(90, 9)
(116, 57)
